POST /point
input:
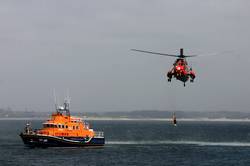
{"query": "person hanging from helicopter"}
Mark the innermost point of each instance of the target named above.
(174, 120)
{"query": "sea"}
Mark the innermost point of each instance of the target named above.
(137, 142)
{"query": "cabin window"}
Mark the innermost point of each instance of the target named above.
(63, 126)
(66, 126)
(59, 126)
(73, 127)
(76, 127)
(47, 125)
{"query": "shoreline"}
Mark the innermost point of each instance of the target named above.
(140, 119)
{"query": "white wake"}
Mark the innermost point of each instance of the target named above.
(199, 143)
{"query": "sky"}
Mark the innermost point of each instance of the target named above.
(83, 46)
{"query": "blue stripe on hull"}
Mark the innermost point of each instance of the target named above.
(47, 141)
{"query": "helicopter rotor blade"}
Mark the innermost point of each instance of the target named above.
(189, 56)
(157, 53)
(222, 53)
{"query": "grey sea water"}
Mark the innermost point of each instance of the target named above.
(138, 143)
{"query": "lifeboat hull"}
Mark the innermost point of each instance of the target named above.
(37, 140)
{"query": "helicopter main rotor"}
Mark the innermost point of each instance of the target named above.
(157, 53)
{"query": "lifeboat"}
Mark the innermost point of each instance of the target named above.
(62, 130)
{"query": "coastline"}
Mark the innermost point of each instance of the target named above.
(138, 119)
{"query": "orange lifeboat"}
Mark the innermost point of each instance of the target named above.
(64, 130)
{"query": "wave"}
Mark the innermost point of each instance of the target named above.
(199, 143)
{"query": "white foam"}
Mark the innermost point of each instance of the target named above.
(199, 143)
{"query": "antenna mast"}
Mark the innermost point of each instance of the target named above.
(67, 103)
(54, 93)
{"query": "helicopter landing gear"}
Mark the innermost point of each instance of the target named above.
(169, 75)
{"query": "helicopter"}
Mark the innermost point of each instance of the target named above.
(180, 70)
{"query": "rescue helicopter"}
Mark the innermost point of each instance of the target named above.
(180, 70)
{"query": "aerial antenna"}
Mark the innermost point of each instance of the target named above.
(66, 103)
(54, 93)
(67, 96)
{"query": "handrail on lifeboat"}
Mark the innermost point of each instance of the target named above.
(99, 134)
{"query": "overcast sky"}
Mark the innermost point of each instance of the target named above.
(84, 46)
